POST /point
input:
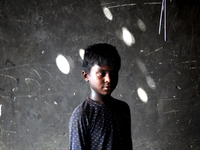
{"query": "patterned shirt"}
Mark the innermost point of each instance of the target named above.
(93, 126)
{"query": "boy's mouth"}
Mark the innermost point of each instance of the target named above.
(107, 87)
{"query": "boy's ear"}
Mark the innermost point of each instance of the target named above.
(85, 76)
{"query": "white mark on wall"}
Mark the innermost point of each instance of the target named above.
(28, 80)
(15, 89)
(14, 99)
(10, 132)
(4, 39)
(7, 76)
(0, 109)
(36, 73)
(46, 71)
(172, 111)
(25, 65)
(57, 77)
(24, 96)
(190, 120)
(51, 85)
(27, 21)
(124, 5)
(3, 96)
(152, 3)
(154, 51)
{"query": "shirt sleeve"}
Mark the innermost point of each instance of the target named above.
(78, 137)
(129, 141)
(127, 127)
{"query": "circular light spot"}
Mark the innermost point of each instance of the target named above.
(127, 37)
(141, 25)
(150, 82)
(62, 64)
(142, 66)
(107, 13)
(81, 53)
(142, 95)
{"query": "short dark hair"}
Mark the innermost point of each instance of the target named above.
(101, 54)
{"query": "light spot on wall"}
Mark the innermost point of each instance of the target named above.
(127, 37)
(142, 66)
(71, 62)
(142, 95)
(81, 53)
(62, 64)
(107, 13)
(141, 25)
(150, 82)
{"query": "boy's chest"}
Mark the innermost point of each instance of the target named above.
(107, 120)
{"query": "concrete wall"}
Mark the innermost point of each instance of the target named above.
(37, 99)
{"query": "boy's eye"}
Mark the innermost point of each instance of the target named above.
(101, 74)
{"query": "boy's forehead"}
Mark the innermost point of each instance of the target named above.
(102, 67)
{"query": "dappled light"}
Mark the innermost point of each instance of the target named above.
(62, 64)
(150, 82)
(81, 53)
(127, 37)
(144, 71)
(141, 25)
(107, 13)
(142, 66)
(142, 95)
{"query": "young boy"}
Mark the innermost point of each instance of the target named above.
(101, 122)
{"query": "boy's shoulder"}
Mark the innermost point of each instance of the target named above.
(117, 101)
(120, 104)
(88, 106)
(84, 107)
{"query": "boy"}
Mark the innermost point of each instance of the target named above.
(101, 122)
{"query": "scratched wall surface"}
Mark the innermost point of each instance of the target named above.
(159, 78)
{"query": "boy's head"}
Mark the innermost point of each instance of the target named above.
(101, 54)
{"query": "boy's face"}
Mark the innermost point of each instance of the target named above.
(102, 79)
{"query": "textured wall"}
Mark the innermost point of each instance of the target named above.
(37, 99)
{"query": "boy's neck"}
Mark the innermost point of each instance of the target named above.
(101, 99)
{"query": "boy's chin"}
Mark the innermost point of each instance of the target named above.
(108, 93)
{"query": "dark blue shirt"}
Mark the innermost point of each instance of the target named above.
(94, 126)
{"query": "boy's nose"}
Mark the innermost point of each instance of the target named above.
(107, 78)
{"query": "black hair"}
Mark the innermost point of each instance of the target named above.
(101, 54)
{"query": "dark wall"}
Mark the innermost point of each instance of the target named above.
(37, 99)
